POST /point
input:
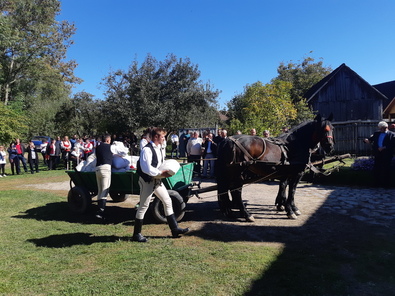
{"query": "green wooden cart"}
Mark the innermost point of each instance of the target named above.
(83, 187)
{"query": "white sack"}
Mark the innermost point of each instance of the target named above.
(133, 161)
(170, 165)
(119, 148)
(89, 164)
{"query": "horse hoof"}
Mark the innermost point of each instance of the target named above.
(280, 208)
(298, 213)
(250, 218)
(292, 216)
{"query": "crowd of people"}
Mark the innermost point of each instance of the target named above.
(67, 153)
(60, 152)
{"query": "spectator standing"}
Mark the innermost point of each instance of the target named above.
(103, 174)
(3, 161)
(75, 156)
(73, 140)
(174, 144)
(13, 158)
(383, 143)
(218, 137)
(194, 151)
(52, 152)
(20, 149)
(80, 145)
(32, 157)
(266, 134)
(43, 149)
(151, 158)
(253, 132)
(88, 148)
(66, 145)
(209, 155)
(182, 146)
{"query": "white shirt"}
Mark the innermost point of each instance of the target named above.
(174, 138)
(143, 142)
(4, 155)
(146, 160)
(194, 146)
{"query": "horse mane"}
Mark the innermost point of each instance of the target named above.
(290, 136)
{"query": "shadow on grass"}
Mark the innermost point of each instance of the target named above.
(72, 239)
(331, 254)
(58, 211)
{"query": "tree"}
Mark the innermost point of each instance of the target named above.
(11, 124)
(32, 42)
(303, 76)
(166, 93)
(263, 107)
(82, 116)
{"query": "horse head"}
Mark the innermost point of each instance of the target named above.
(323, 133)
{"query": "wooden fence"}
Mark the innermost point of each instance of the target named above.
(349, 137)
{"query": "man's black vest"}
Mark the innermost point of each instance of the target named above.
(154, 163)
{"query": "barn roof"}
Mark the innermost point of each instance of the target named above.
(386, 88)
(310, 94)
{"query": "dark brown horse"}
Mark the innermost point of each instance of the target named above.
(244, 159)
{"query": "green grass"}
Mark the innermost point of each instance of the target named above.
(45, 250)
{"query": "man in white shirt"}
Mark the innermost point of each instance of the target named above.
(194, 151)
(151, 158)
(174, 144)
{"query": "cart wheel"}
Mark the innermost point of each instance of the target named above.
(118, 197)
(178, 207)
(79, 199)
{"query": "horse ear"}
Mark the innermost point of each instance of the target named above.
(318, 117)
(330, 118)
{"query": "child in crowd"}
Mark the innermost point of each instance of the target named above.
(2, 161)
(32, 157)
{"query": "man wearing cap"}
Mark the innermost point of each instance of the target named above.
(383, 143)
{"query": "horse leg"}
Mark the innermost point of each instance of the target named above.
(281, 198)
(223, 198)
(237, 200)
(291, 208)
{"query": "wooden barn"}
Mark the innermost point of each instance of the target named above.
(356, 105)
(388, 89)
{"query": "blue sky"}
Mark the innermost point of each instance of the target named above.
(234, 43)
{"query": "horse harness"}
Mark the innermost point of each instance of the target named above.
(249, 159)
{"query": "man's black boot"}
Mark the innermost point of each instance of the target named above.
(175, 230)
(137, 236)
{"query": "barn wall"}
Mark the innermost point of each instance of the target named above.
(349, 137)
(348, 98)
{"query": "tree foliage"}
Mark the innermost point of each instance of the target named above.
(279, 103)
(33, 70)
(263, 107)
(81, 116)
(166, 93)
(12, 124)
(302, 76)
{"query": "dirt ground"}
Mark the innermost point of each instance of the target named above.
(320, 206)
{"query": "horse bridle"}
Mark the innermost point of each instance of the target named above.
(317, 139)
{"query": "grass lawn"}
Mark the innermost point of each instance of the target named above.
(45, 250)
